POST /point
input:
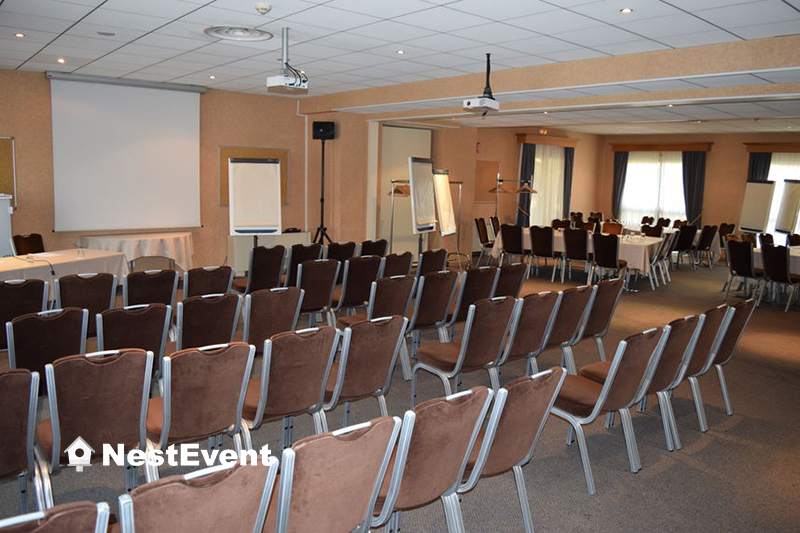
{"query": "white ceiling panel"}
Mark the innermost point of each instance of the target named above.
(494, 33)
(539, 45)
(748, 14)
(772, 29)
(331, 18)
(392, 31)
(555, 21)
(576, 54)
(441, 19)
(637, 46)
(158, 8)
(121, 19)
(171, 41)
(215, 16)
(727, 81)
(597, 36)
(382, 10)
(609, 10)
(699, 39)
(675, 24)
(88, 29)
(662, 85)
(22, 22)
(501, 10)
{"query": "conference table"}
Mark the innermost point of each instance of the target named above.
(715, 245)
(635, 249)
(173, 245)
(794, 259)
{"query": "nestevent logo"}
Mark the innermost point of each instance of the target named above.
(79, 453)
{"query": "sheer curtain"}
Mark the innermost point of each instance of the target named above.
(548, 179)
(784, 166)
(653, 187)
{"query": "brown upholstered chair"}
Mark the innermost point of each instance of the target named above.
(136, 326)
(476, 284)
(207, 319)
(605, 303)
(95, 292)
(536, 320)
(494, 225)
(40, 338)
(295, 369)
(542, 247)
(231, 497)
(150, 287)
(576, 217)
(268, 312)
(724, 230)
(20, 297)
(679, 223)
(264, 270)
(560, 224)
(359, 273)
(605, 260)
(204, 393)
(765, 239)
(317, 278)
(778, 272)
(511, 235)
(749, 237)
(76, 517)
(647, 220)
(431, 261)
(374, 247)
(484, 240)
(33, 243)
(397, 264)
(511, 279)
(100, 397)
(612, 228)
(662, 222)
(582, 400)
(526, 410)
(652, 231)
(300, 253)
(490, 327)
(703, 248)
(19, 392)
(365, 366)
(685, 244)
(341, 251)
(423, 470)
(571, 320)
(576, 248)
(793, 239)
(353, 462)
(207, 280)
(387, 297)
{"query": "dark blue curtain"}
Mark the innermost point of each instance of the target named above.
(569, 163)
(758, 169)
(694, 179)
(525, 177)
(620, 171)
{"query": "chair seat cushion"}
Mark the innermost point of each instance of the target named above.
(578, 395)
(155, 418)
(239, 284)
(44, 438)
(442, 355)
(622, 263)
(597, 372)
(348, 321)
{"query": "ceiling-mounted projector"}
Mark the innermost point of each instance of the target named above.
(290, 81)
(485, 103)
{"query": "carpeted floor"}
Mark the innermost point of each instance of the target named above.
(742, 475)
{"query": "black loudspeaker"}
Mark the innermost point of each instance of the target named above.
(323, 131)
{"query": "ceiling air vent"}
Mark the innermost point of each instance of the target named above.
(237, 33)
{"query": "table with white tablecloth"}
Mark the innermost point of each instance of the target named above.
(794, 259)
(715, 244)
(175, 245)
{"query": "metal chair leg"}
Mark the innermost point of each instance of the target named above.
(630, 440)
(22, 480)
(568, 360)
(494, 378)
(663, 399)
(405, 362)
(723, 385)
(698, 404)
(452, 511)
(522, 494)
(587, 468)
(600, 348)
(382, 405)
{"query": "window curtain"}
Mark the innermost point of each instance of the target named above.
(620, 173)
(653, 187)
(694, 179)
(569, 162)
(526, 164)
(548, 174)
(758, 169)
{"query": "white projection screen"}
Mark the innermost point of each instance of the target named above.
(756, 204)
(423, 208)
(124, 157)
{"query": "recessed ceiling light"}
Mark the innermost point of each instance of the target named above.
(212, 77)
(670, 105)
(237, 33)
(20, 35)
(401, 52)
(106, 33)
(61, 60)
(626, 10)
(545, 112)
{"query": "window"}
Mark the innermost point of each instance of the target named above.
(548, 180)
(653, 187)
(784, 167)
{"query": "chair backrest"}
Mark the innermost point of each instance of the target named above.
(392, 296)
(339, 472)
(317, 277)
(232, 497)
(588, 226)
(20, 297)
(489, 323)
(714, 327)
(495, 224)
(150, 287)
(679, 223)
(647, 220)
(614, 228)
(341, 251)
(765, 239)
(542, 241)
(266, 264)
(142, 326)
(359, 273)
(596, 214)
(749, 237)
(40, 338)
(576, 304)
(536, 321)
(207, 280)
(434, 296)
(398, 264)
(576, 217)
(605, 303)
(707, 235)
(204, 390)
(741, 258)
(776, 263)
(479, 283)
(667, 246)
(743, 311)
(512, 239)
(100, 397)
(793, 239)
(511, 279)
(268, 312)
(431, 261)
(483, 232)
(19, 391)
(653, 231)
(300, 253)
(374, 247)
(686, 237)
(662, 222)
(32, 243)
(207, 319)
(726, 229)
(95, 292)
(76, 517)
(629, 369)
(606, 250)
(560, 224)
(680, 345)
(576, 242)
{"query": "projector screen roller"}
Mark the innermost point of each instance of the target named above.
(124, 157)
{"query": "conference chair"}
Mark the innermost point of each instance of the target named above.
(535, 323)
(351, 462)
(204, 393)
(741, 264)
(511, 279)
(749, 237)
(484, 240)
(571, 320)
(662, 222)
(40, 338)
(612, 228)
(373, 247)
(685, 244)
(76, 517)
(652, 231)
(765, 239)
(227, 497)
(725, 230)
(341, 251)
(423, 470)
(207, 319)
(100, 397)
(207, 280)
(268, 312)
(366, 363)
(95, 292)
(150, 287)
(494, 225)
(655, 261)
(778, 273)
(646, 220)
(605, 260)
(581, 400)
(397, 264)
(597, 223)
(559, 224)
(387, 297)
(703, 248)
(607, 295)
(576, 217)
(664, 261)
(359, 273)
(264, 269)
(588, 226)
(679, 223)
(511, 235)
(793, 239)
(490, 327)
(542, 248)
(300, 253)
(142, 326)
(525, 413)
(20, 297)
(19, 392)
(597, 214)
(294, 372)
(431, 261)
(478, 284)
(576, 248)
(32, 243)
(317, 278)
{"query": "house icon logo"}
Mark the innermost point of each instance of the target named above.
(80, 454)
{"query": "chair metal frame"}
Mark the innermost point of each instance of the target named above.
(567, 357)
(345, 278)
(599, 336)
(101, 524)
(12, 356)
(179, 318)
(167, 323)
(460, 297)
(531, 367)
(125, 302)
(207, 269)
(31, 471)
(325, 311)
(723, 385)
(248, 307)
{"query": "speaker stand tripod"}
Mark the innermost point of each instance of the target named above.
(322, 231)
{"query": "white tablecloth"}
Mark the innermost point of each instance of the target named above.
(715, 246)
(794, 259)
(635, 250)
(177, 246)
